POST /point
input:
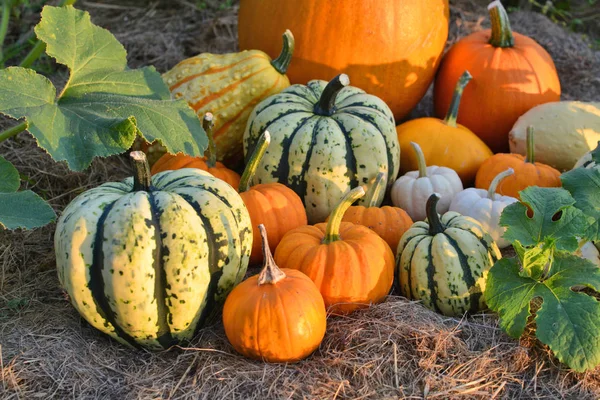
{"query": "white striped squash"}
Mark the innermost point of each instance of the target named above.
(444, 262)
(149, 265)
(326, 138)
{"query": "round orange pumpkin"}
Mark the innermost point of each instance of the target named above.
(276, 316)
(511, 74)
(527, 172)
(350, 264)
(207, 163)
(389, 48)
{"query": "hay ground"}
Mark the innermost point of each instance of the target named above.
(397, 349)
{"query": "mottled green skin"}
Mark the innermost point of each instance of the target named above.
(446, 271)
(148, 268)
(322, 157)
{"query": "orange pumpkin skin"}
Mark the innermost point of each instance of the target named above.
(350, 273)
(389, 48)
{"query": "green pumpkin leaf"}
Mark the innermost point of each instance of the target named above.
(103, 105)
(534, 260)
(9, 177)
(584, 185)
(568, 321)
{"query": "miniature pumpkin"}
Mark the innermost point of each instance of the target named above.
(350, 264)
(527, 171)
(209, 163)
(390, 48)
(230, 85)
(276, 316)
(148, 261)
(413, 189)
(485, 206)
(389, 223)
(589, 159)
(326, 139)
(444, 142)
(444, 262)
(271, 204)
(511, 74)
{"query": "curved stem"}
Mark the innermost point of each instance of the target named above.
(141, 171)
(375, 191)
(452, 114)
(420, 160)
(208, 123)
(496, 181)
(255, 158)
(14, 131)
(270, 274)
(530, 158)
(7, 6)
(282, 62)
(326, 104)
(332, 232)
(435, 225)
(501, 33)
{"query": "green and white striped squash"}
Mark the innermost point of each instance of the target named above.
(149, 261)
(326, 138)
(444, 262)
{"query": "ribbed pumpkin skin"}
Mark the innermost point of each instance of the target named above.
(170, 162)
(229, 86)
(148, 268)
(322, 157)
(389, 48)
(448, 271)
(350, 273)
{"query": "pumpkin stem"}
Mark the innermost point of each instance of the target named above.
(435, 225)
(375, 191)
(282, 62)
(326, 104)
(530, 158)
(255, 158)
(332, 232)
(141, 171)
(496, 181)
(208, 122)
(270, 273)
(420, 160)
(501, 33)
(452, 114)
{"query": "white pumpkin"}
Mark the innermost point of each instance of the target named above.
(411, 191)
(589, 252)
(587, 160)
(485, 206)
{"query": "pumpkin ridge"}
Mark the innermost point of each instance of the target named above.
(283, 168)
(467, 274)
(351, 166)
(431, 282)
(299, 184)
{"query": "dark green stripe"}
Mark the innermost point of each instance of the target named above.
(431, 282)
(467, 273)
(372, 106)
(298, 182)
(351, 166)
(282, 172)
(485, 244)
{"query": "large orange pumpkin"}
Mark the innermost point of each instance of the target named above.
(389, 48)
(511, 74)
(350, 264)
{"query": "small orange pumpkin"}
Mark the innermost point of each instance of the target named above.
(276, 316)
(527, 171)
(207, 163)
(350, 264)
(274, 205)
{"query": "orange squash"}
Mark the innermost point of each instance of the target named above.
(207, 163)
(511, 74)
(389, 48)
(350, 264)
(274, 205)
(276, 316)
(444, 142)
(527, 172)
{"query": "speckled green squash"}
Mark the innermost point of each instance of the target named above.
(149, 267)
(326, 138)
(444, 262)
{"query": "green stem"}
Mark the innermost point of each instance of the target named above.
(326, 104)
(208, 122)
(501, 33)
(14, 131)
(496, 181)
(282, 62)
(7, 6)
(332, 232)
(435, 225)
(452, 114)
(255, 158)
(141, 171)
(530, 158)
(270, 274)
(420, 160)
(375, 191)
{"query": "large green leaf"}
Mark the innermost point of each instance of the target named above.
(103, 104)
(584, 185)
